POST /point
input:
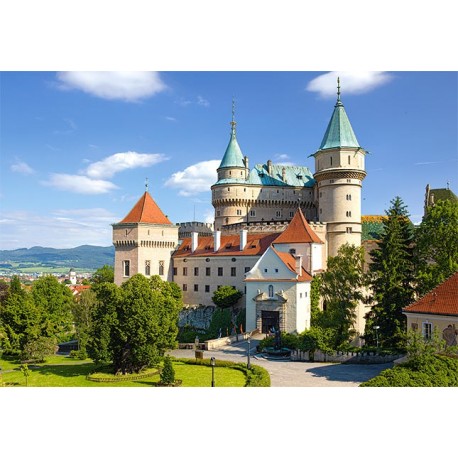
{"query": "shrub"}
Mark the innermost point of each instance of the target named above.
(168, 372)
(78, 354)
(38, 349)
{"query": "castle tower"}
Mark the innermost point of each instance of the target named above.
(340, 170)
(233, 170)
(144, 242)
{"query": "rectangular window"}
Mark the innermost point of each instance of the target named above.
(207, 288)
(291, 214)
(277, 214)
(349, 230)
(185, 287)
(427, 330)
(185, 271)
(196, 287)
(161, 267)
(207, 271)
(233, 272)
(276, 271)
(147, 268)
(239, 212)
(247, 269)
(175, 271)
(220, 271)
(252, 212)
(196, 271)
(126, 268)
(265, 270)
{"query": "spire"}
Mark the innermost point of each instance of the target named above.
(233, 156)
(298, 231)
(339, 132)
(146, 184)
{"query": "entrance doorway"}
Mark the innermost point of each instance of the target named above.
(268, 320)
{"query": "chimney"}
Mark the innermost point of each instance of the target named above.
(194, 241)
(269, 167)
(283, 174)
(243, 239)
(299, 264)
(217, 240)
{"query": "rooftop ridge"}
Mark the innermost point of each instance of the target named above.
(146, 211)
(298, 231)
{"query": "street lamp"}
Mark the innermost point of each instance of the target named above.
(212, 364)
(248, 355)
(376, 333)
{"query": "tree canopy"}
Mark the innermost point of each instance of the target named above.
(437, 245)
(392, 277)
(341, 287)
(226, 296)
(134, 324)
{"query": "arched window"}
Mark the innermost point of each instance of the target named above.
(271, 291)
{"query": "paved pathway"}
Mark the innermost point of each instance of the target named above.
(294, 373)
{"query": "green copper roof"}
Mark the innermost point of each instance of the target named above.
(233, 156)
(339, 132)
(281, 175)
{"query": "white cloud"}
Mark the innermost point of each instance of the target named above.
(79, 184)
(127, 86)
(170, 118)
(195, 178)
(22, 167)
(350, 82)
(283, 159)
(203, 102)
(59, 229)
(118, 162)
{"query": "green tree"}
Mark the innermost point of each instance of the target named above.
(82, 308)
(391, 277)
(134, 324)
(53, 302)
(19, 318)
(37, 349)
(341, 289)
(315, 312)
(104, 274)
(226, 296)
(26, 372)
(168, 372)
(437, 245)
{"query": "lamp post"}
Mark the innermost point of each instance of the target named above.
(212, 363)
(248, 355)
(376, 333)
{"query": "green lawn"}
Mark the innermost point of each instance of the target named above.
(61, 371)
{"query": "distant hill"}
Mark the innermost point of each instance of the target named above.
(83, 257)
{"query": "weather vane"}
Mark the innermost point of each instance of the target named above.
(146, 184)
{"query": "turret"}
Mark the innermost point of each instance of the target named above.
(340, 170)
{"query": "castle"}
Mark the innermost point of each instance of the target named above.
(274, 228)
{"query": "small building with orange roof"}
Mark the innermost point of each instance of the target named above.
(436, 310)
(278, 286)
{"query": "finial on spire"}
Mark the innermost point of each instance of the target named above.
(146, 184)
(338, 89)
(233, 123)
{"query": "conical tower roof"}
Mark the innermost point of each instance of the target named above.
(146, 211)
(339, 132)
(233, 156)
(298, 231)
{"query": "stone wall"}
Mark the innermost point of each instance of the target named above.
(196, 315)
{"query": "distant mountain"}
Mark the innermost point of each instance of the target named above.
(82, 257)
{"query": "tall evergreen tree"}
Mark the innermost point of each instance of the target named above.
(392, 276)
(437, 245)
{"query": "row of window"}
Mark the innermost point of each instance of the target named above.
(253, 213)
(126, 268)
(330, 161)
(206, 287)
(208, 271)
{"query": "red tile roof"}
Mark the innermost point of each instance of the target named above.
(442, 300)
(78, 289)
(298, 231)
(256, 245)
(290, 261)
(146, 211)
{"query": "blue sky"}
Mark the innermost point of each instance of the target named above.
(76, 147)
